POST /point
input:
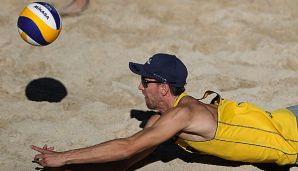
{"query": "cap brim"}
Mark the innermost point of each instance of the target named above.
(138, 69)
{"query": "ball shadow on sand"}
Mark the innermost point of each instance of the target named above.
(45, 89)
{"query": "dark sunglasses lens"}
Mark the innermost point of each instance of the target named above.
(144, 82)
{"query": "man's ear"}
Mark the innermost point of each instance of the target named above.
(165, 88)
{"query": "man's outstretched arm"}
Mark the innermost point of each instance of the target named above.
(104, 152)
(166, 127)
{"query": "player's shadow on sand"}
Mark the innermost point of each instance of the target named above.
(45, 89)
(167, 152)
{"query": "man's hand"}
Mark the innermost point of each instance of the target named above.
(48, 157)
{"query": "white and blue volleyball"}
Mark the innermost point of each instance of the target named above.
(39, 24)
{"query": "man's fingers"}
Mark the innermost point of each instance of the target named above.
(41, 159)
(45, 147)
(42, 163)
(51, 148)
(38, 157)
(38, 149)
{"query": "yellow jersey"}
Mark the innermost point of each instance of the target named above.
(248, 133)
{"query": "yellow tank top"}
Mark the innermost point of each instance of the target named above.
(247, 133)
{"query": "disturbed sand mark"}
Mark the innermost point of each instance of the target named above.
(226, 83)
(290, 64)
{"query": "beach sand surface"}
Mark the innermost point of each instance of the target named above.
(245, 50)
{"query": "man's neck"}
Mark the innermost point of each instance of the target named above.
(167, 103)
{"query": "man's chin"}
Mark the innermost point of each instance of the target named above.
(149, 106)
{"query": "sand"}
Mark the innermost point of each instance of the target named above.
(245, 50)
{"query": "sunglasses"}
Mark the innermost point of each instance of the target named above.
(146, 82)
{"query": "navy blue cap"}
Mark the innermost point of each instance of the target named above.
(163, 67)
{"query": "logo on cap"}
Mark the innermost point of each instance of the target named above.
(149, 61)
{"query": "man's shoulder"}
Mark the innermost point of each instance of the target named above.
(188, 107)
(193, 106)
(191, 102)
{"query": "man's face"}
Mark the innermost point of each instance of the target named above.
(150, 90)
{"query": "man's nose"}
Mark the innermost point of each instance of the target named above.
(141, 87)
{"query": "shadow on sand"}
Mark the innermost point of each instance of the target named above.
(45, 89)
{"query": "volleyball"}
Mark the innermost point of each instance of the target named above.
(39, 24)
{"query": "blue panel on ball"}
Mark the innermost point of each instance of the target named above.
(54, 13)
(31, 29)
